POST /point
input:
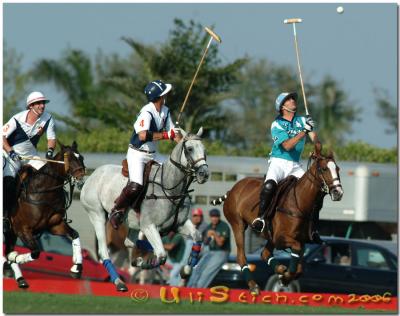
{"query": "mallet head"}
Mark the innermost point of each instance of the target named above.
(213, 35)
(291, 21)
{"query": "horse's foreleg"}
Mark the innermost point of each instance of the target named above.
(28, 239)
(267, 256)
(10, 239)
(295, 260)
(63, 229)
(238, 228)
(99, 223)
(153, 236)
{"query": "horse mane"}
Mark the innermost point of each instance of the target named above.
(190, 136)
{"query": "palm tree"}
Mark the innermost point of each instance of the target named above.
(332, 111)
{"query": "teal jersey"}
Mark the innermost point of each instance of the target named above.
(282, 130)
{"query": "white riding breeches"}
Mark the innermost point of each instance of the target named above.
(136, 162)
(279, 169)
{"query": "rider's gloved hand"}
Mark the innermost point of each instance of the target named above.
(309, 125)
(169, 135)
(49, 154)
(14, 156)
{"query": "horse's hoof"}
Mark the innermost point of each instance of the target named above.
(121, 287)
(22, 284)
(185, 272)
(255, 290)
(76, 271)
(280, 269)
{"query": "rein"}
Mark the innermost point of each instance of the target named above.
(185, 182)
(66, 180)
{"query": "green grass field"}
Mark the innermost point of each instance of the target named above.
(43, 303)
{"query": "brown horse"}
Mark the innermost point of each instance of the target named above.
(42, 205)
(291, 221)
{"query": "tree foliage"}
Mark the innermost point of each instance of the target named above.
(14, 82)
(387, 110)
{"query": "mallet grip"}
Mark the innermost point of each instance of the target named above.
(215, 36)
(290, 21)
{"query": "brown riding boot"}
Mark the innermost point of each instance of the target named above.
(125, 199)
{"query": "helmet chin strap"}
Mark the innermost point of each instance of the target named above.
(291, 111)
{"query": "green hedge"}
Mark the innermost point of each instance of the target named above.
(112, 140)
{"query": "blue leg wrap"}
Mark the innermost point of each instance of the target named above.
(194, 255)
(144, 245)
(294, 260)
(111, 270)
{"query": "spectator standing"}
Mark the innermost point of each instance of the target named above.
(174, 244)
(218, 237)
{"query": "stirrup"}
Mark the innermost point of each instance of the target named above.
(256, 227)
(116, 218)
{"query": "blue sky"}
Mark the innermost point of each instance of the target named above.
(358, 48)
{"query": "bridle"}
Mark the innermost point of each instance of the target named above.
(189, 172)
(191, 168)
(67, 179)
(319, 178)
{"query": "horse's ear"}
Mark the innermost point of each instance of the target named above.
(318, 148)
(61, 144)
(183, 132)
(330, 153)
(200, 131)
(74, 146)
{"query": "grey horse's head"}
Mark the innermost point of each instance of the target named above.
(190, 153)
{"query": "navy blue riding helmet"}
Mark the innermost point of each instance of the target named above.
(156, 89)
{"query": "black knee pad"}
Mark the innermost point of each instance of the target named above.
(269, 187)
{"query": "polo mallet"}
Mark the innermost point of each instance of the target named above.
(212, 36)
(293, 22)
(41, 159)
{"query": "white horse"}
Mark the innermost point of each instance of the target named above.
(164, 208)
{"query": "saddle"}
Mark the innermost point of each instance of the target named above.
(284, 186)
(146, 174)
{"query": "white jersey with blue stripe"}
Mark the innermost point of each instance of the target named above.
(150, 119)
(282, 130)
(24, 137)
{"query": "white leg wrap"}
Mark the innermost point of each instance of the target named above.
(17, 270)
(77, 251)
(20, 259)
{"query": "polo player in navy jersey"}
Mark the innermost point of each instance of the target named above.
(153, 124)
(21, 135)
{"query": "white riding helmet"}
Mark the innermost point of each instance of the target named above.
(35, 97)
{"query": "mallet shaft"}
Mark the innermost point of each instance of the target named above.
(218, 39)
(42, 159)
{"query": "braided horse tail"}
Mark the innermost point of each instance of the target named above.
(219, 200)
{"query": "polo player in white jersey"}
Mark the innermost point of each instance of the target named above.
(152, 124)
(21, 135)
(288, 132)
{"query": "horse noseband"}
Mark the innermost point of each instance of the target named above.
(192, 163)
